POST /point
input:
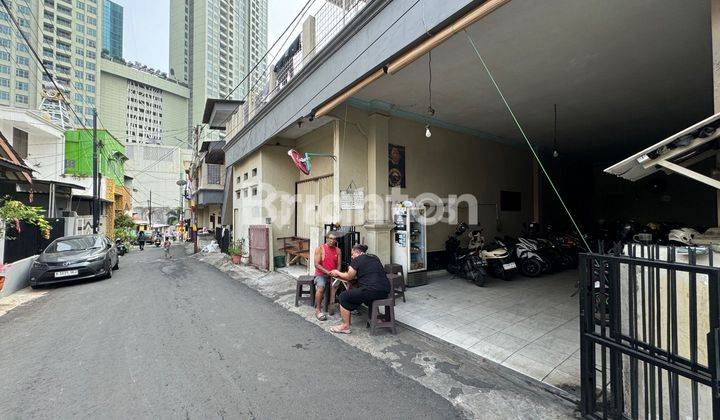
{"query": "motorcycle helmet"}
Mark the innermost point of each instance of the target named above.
(684, 236)
(706, 131)
(461, 229)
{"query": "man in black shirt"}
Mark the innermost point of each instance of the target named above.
(369, 283)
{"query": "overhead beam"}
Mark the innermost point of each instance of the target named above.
(690, 173)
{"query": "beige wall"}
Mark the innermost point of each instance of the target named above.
(448, 163)
(246, 210)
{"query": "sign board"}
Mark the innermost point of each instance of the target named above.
(352, 199)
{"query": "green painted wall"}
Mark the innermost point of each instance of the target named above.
(79, 151)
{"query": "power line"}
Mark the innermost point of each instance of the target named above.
(307, 4)
(40, 62)
(283, 125)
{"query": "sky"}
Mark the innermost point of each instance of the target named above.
(146, 28)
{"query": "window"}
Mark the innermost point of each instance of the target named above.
(4, 96)
(4, 29)
(80, 27)
(79, 62)
(245, 176)
(245, 192)
(91, 88)
(21, 85)
(22, 48)
(79, 74)
(23, 61)
(237, 194)
(213, 173)
(5, 43)
(92, 32)
(254, 172)
(90, 66)
(5, 69)
(4, 55)
(21, 99)
(20, 142)
(79, 97)
(90, 77)
(254, 191)
(80, 5)
(4, 82)
(22, 73)
(92, 20)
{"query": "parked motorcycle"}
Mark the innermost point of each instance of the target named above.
(157, 242)
(462, 262)
(530, 260)
(122, 249)
(499, 261)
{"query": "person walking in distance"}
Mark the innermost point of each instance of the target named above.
(327, 258)
(141, 240)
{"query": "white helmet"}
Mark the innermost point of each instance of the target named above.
(684, 236)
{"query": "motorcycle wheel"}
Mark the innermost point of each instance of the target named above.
(530, 268)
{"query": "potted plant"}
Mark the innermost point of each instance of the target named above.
(13, 211)
(237, 250)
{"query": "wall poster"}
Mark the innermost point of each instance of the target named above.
(396, 165)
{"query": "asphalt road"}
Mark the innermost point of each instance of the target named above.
(178, 339)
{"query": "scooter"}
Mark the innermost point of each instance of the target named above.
(120, 246)
(500, 263)
(157, 242)
(529, 258)
(463, 263)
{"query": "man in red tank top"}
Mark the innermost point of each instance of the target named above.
(327, 258)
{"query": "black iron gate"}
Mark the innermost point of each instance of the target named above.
(29, 241)
(650, 336)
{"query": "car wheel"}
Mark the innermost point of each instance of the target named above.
(109, 271)
(117, 265)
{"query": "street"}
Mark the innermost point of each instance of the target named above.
(179, 339)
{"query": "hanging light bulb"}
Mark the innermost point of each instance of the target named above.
(555, 153)
(428, 134)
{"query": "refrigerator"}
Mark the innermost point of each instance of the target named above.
(410, 243)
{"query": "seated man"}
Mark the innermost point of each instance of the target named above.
(327, 258)
(371, 283)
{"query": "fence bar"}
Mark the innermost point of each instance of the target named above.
(601, 324)
(587, 349)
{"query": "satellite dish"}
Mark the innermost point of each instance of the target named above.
(303, 164)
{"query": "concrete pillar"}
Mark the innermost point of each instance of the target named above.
(378, 226)
(715, 29)
(307, 39)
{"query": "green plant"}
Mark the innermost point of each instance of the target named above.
(122, 220)
(237, 247)
(13, 211)
(127, 235)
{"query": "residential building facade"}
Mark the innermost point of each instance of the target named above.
(112, 28)
(213, 45)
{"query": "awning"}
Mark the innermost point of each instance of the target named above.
(675, 154)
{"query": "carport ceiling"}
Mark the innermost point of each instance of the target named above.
(623, 73)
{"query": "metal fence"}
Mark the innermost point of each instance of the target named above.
(650, 341)
(28, 240)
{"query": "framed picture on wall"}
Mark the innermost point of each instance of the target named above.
(396, 166)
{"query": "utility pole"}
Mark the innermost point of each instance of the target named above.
(96, 193)
(150, 211)
(194, 178)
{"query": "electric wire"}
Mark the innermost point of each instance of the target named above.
(277, 87)
(527, 140)
(392, 24)
(297, 17)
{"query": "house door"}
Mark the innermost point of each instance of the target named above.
(314, 204)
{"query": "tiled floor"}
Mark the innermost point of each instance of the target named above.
(529, 325)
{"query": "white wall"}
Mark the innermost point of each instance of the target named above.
(17, 276)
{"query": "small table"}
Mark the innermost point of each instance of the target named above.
(295, 249)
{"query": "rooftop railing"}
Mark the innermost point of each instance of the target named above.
(306, 36)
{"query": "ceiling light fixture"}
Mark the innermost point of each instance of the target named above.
(555, 149)
(430, 110)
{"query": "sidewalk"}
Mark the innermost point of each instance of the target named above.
(480, 388)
